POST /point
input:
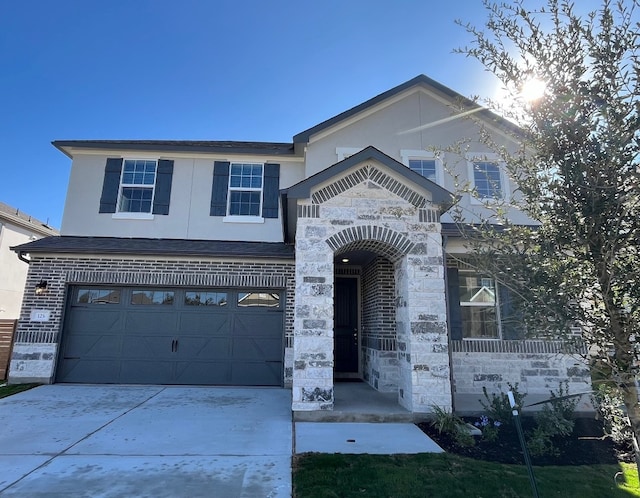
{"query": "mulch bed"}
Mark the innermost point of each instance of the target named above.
(586, 446)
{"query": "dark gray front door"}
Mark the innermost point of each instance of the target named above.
(346, 325)
(173, 336)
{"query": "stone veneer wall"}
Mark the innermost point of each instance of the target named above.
(369, 210)
(378, 338)
(537, 366)
(36, 343)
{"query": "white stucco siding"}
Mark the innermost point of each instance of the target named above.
(13, 271)
(415, 120)
(188, 216)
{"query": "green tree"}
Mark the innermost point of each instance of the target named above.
(578, 172)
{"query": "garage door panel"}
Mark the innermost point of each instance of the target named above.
(105, 321)
(251, 348)
(151, 322)
(144, 347)
(203, 323)
(257, 324)
(203, 372)
(199, 348)
(147, 372)
(256, 373)
(92, 346)
(90, 371)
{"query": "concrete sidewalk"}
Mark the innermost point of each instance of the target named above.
(115, 441)
(371, 438)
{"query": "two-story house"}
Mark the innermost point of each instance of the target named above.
(284, 264)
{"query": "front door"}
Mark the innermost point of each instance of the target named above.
(345, 314)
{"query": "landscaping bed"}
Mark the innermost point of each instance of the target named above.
(585, 446)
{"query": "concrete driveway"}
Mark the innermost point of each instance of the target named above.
(146, 441)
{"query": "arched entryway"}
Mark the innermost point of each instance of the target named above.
(402, 345)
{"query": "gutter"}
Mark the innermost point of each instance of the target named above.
(22, 258)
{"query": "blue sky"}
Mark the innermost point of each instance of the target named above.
(203, 70)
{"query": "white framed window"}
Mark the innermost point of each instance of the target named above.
(425, 163)
(478, 306)
(137, 185)
(344, 152)
(486, 173)
(245, 190)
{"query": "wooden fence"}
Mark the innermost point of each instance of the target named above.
(7, 328)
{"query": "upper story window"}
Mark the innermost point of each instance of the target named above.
(245, 189)
(245, 192)
(425, 163)
(487, 176)
(425, 167)
(137, 185)
(136, 189)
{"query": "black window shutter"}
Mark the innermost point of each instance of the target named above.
(219, 189)
(110, 185)
(271, 192)
(453, 298)
(162, 195)
(511, 321)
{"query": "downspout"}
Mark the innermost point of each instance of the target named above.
(445, 239)
(22, 258)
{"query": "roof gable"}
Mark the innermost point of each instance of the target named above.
(303, 189)
(420, 81)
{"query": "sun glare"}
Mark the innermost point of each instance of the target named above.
(533, 89)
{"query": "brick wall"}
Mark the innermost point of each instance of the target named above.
(380, 357)
(533, 365)
(59, 272)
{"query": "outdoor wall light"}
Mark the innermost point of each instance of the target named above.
(41, 287)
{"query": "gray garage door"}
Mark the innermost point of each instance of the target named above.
(173, 336)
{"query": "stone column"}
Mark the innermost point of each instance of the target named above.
(313, 321)
(425, 326)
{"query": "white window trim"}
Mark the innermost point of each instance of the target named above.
(407, 154)
(237, 218)
(125, 215)
(504, 181)
(345, 152)
(131, 215)
(240, 218)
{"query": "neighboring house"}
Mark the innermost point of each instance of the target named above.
(16, 228)
(284, 264)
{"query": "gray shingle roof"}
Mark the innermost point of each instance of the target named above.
(157, 247)
(15, 215)
(271, 148)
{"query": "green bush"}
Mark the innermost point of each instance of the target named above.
(497, 405)
(447, 423)
(556, 419)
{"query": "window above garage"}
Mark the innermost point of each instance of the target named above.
(245, 192)
(136, 188)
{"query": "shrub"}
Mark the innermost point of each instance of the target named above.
(489, 428)
(497, 405)
(554, 420)
(447, 423)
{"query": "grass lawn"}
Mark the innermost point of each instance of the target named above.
(445, 475)
(9, 390)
